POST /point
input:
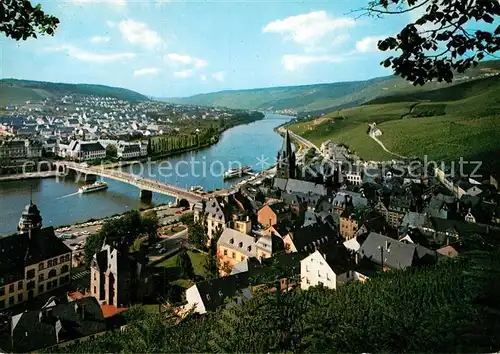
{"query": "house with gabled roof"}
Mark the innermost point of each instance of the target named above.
(271, 214)
(209, 295)
(309, 238)
(57, 324)
(393, 254)
(329, 268)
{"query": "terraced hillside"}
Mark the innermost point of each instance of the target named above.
(19, 91)
(325, 97)
(444, 124)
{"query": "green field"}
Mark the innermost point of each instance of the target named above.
(448, 123)
(172, 273)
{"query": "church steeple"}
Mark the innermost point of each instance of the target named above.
(286, 148)
(285, 167)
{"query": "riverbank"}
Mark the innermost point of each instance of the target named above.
(28, 175)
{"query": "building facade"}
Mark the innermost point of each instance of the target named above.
(32, 264)
(118, 279)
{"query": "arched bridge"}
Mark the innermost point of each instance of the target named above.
(146, 185)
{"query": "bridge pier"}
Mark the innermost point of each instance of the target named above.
(90, 178)
(146, 196)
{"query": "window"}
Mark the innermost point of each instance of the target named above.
(95, 275)
(327, 276)
(52, 273)
(11, 300)
(11, 288)
(307, 281)
(41, 265)
(66, 258)
(19, 285)
(231, 241)
(225, 252)
(20, 298)
(30, 285)
(240, 244)
(242, 258)
(2, 304)
(41, 277)
(2, 291)
(40, 288)
(30, 274)
(307, 268)
(54, 262)
(61, 259)
(49, 264)
(95, 290)
(319, 274)
(234, 254)
(65, 269)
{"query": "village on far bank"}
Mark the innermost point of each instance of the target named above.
(95, 129)
(319, 219)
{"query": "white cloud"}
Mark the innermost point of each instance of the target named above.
(200, 63)
(111, 24)
(146, 71)
(186, 60)
(99, 39)
(203, 77)
(140, 34)
(84, 55)
(368, 44)
(219, 76)
(184, 74)
(308, 29)
(292, 62)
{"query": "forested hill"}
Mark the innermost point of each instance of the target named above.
(14, 91)
(324, 97)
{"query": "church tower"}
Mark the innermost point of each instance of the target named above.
(30, 219)
(285, 167)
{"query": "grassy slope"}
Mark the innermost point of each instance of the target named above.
(198, 261)
(464, 124)
(18, 91)
(320, 97)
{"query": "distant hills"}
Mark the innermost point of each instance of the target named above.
(444, 124)
(320, 98)
(14, 91)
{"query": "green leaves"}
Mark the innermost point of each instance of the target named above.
(20, 20)
(429, 48)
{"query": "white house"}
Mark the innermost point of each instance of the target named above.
(82, 150)
(321, 269)
(210, 294)
(129, 151)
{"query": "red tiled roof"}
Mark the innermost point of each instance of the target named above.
(111, 310)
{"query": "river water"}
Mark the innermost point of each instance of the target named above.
(254, 144)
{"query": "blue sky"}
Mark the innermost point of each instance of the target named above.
(173, 48)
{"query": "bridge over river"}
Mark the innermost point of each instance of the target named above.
(146, 185)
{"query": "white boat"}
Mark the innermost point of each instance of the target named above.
(237, 172)
(94, 187)
(196, 188)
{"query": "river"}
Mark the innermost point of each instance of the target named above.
(255, 144)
